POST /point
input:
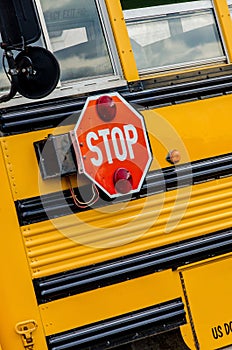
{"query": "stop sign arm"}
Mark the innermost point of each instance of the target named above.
(111, 139)
(76, 152)
(56, 156)
(110, 148)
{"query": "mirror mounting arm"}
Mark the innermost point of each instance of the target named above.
(13, 74)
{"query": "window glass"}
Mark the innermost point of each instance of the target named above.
(77, 38)
(172, 38)
(230, 6)
(132, 4)
(4, 82)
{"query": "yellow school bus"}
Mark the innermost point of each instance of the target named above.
(144, 266)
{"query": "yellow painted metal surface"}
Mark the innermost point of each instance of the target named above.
(90, 237)
(22, 164)
(17, 299)
(122, 40)
(224, 18)
(103, 303)
(208, 290)
(198, 129)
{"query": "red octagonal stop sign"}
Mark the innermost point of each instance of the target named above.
(112, 146)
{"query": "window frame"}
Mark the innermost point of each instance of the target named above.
(88, 84)
(149, 13)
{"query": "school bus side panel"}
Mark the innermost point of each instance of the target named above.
(17, 300)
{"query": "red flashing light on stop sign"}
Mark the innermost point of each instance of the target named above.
(106, 108)
(123, 181)
(112, 145)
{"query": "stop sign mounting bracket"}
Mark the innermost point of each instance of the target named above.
(109, 145)
(76, 152)
(56, 156)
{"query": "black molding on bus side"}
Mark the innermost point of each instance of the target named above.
(37, 209)
(119, 270)
(122, 329)
(152, 93)
(182, 88)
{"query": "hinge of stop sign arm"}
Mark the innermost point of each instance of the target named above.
(25, 330)
(76, 152)
(57, 156)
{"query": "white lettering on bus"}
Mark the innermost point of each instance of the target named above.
(122, 142)
(96, 161)
(131, 141)
(116, 131)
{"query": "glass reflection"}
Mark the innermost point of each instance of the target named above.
(175, 40)
(77, 38)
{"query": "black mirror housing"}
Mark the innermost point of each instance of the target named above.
(19, 23)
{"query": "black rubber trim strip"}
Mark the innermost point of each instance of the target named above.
(32, 210)
(122, 329)
(49, 114)
(132, 266)
(180, 93)
(40, 116)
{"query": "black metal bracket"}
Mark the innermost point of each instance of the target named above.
(56, 156)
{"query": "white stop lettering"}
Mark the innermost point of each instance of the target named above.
(122, 142)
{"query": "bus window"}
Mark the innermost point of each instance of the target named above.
(174, 35)
(79, 35)
(131, 4)
(4, 82)
(77, 38)
(230, 6)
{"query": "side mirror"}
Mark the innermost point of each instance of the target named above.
(19, 24)
(38, 72)
(35, 72)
